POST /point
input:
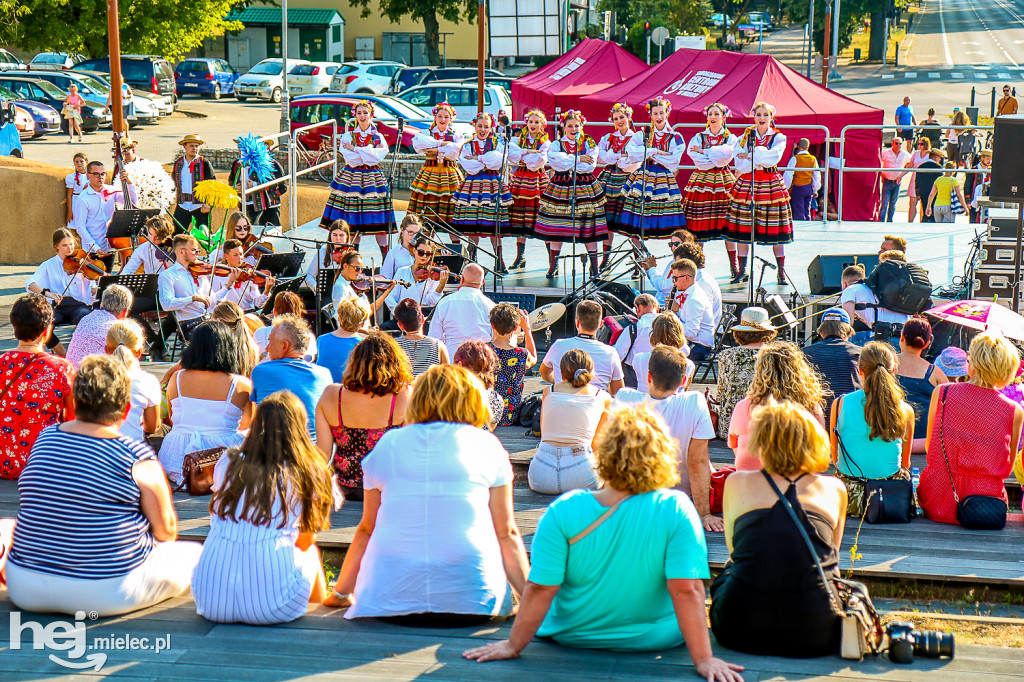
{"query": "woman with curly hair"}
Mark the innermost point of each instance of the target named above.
(622, 567)
(572, 205)
(480, 359)
(758, 154)
(529, 154)
(440, 177)
(781, 373)
(611, 153)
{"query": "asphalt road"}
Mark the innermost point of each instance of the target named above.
(969, 34)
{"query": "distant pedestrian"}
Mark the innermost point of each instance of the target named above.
(941, 198)
(975, 181)
(1008, 104)
(923, 153)
(803, 180)
(73, 112)
(953, 134)
(904, 118)
(924, 181)
(933, 132)
(894, 157)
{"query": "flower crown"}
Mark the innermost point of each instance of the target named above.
(364, 103)
(538, 113)
(659, 102)
(721, 107)
(444, 106)
(624, 108)
(483, 115)
(769, 107)
(573, 114)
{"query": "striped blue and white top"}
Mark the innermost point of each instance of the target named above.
(81, 511)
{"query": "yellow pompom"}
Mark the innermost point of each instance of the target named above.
(216, 193)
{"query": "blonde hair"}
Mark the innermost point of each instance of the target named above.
(352, 312)
(788, 439)
(125, 342)
(231, 314)
(901, 242)
(994, 360)
(883, 395)
(892, 254)
(667, 330)
(781, 372)
(634, 451)
(448, 393)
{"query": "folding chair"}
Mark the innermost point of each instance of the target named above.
(710, 363)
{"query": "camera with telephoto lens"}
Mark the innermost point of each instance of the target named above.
(884, 331)
(905, 642)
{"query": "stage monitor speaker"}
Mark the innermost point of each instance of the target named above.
(825, 273)
(1007, 170)
(781, 316)
(1002, 230)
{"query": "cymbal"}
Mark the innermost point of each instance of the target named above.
(545, 316)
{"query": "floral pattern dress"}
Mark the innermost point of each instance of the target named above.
(33, 402)
(509, 381)
(735, 374)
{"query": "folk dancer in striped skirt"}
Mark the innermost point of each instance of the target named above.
(440, 177)
(572, 205)
(359, 192)
(611, 153)
(706, 196)
(478, 208)
(652, 205)
(760, 179)
(529, 180)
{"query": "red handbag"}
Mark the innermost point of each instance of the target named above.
(718, 487)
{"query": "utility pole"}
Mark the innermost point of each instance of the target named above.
(810, 40)
(481, 18)
(647, 37)
(285, 98)
(835, 42)
(114, 45)
(826, 38)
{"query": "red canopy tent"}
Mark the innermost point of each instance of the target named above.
(692, 79)
(590, 66)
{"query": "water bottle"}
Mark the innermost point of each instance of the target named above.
(915, 479)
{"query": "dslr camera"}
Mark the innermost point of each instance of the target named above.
(905, 642)
(884, 331)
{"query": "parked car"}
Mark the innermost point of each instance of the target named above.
(145, 73)
(45, 118)
(45, 92)
(205, 76)
(264, 80)
(365, 77)
(94, 87)
(411, 76)
(306, 79)
(760, 20)
(54, 61)
(717, 20)
(10, 137)
(503, 81)
(9, 62)
(461, 96)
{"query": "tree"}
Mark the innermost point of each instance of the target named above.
(429, 13)
(677, 17)
(165, 27)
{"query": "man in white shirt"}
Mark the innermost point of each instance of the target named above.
(246, 294)
(861, 304)
(893, 157)
(662, 283)
(93, 208)
(689, 422)
(464, 315)
(694, 309)
(69, 294)
(695, 252)
(189, 297)
(637, 337)
(607, 365)
(90, 336)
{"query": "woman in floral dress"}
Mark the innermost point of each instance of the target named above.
(513, 361)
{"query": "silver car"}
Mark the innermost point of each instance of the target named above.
(264, 81)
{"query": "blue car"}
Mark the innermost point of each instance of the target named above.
(10, 141)
(209, 77)
(46, 118)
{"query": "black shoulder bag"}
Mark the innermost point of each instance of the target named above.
(975, 512)
(885, 501)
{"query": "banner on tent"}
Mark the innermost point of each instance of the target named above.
(695, 84)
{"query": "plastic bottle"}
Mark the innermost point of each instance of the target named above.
(915, 479)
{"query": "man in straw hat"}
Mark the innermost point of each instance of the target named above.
(926, 180)
(188, 170)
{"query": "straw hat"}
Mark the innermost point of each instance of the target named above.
(191, 138)
(937, 152)
(127, 142)
(754, 320)
(985, 152)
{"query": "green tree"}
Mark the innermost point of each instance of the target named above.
(427, 11)
(165, 27)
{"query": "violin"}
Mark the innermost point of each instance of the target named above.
(364, 283)
(257, 277)
(433, 272)
(339, 251)
(201, 269)
(82, 262)
(252, 244)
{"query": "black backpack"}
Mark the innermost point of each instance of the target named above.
(901, 287)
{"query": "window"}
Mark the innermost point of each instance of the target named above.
(267, 68)
(421, 97)
(336, 33)
(302, 70)
(331, 69)
(193, 68)
(305, 113)
(376, 71)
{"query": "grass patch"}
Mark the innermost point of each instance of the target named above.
(862, 38)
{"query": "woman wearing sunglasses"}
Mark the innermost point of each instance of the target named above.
(425, 285)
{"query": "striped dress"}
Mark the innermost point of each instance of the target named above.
(528, 182)
(440, 177)
(611, 153)
(706, 196)
(652, 205)
(252, 573)
(478, 209)
(359, 192)
(80, 513)
(572, 205)
(771, 198)
(423, 353)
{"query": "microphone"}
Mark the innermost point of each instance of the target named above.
(401, 127)
(508, 132)
(766, 263)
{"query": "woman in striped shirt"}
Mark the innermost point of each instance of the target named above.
(96, 527)
(271, 497)
(424, 351)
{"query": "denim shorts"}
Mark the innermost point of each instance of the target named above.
(555, 469)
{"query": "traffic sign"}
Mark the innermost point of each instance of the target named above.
(747, 27)
(659, 35)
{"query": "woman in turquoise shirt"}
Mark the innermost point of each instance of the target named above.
(872, 429)
(622, 567)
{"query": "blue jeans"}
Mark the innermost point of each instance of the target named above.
(890, 193)
(861, 338)
(699, 352)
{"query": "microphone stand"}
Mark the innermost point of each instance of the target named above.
(391, 174)
(499, 259)
(753, 214)
(643, 199)
(572, 204)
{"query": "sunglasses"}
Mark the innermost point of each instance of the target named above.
(675, 244)
(97, 175)
(421, 252)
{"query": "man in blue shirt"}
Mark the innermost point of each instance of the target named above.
(905, 117)
(287, 370)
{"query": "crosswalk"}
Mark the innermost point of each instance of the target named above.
(962, 73)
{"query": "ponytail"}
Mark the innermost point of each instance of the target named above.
(123, 355)
(126, 337)
(576, 368)
(883, 395)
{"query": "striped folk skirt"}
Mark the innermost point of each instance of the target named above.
(526, 187)
(652, 205)
(706, 202)
(771, 209)
(433, 188)
(475, 212)
(556, 220)
(359, 196)
(612, 178)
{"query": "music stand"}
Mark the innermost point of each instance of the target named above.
(282, 285)
(324, 288)
(455, 262)
(129, 222)
(282, 265)
(141, 286)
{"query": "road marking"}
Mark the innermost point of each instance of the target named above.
(981, 76)
(978, 52)
(956, 74)
(980, 67)
(888, 76)
(1003, 75)
(945, 40)
(972, 43)
(910, 74)
(933, 74)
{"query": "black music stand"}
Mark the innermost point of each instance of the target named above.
(282, 264)
(455, 262)
(324, 288)
(292, 285)
(129, 222)
(141, 286)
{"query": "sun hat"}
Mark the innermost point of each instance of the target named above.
(953, 362)
(127, 142)
(754, 320)
(191, 138)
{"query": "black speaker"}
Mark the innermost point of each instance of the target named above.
(1002, 230)
(1007, 170)
(825, 273)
